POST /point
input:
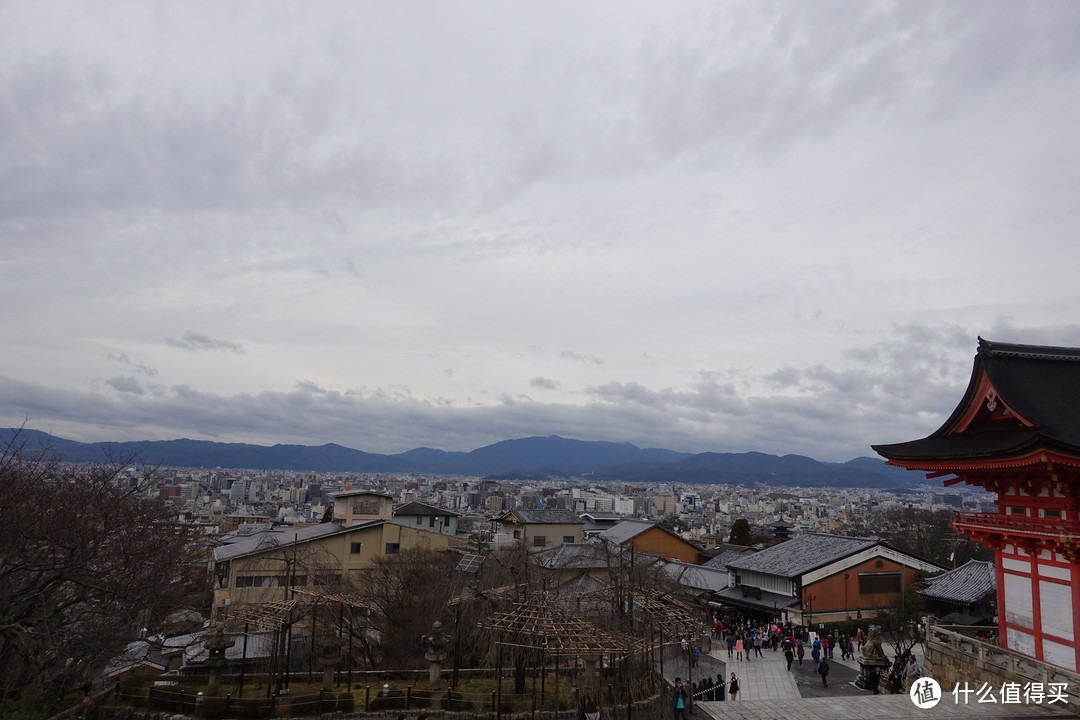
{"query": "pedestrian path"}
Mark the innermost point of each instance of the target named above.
(769, 692)
(870, 706)
(760, 678)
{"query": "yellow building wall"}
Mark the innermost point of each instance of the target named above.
(329, 555)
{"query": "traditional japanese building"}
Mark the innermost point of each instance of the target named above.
(1016, 433)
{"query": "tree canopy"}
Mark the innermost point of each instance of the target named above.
(740, 533)
(87, 560)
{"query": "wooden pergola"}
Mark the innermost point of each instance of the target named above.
(274, 616)
(539, 626)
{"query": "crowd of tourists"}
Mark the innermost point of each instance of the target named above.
(745, 638)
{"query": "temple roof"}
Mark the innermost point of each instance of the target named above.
(802, 554)
(1021, 398)
(967, 584)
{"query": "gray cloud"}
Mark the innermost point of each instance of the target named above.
(904, 393)
(196, 342)
(544, 383)
(580, 357)
(137, 366)
(126, 384)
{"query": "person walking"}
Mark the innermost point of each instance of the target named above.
(757, 645)
(733, 687)
(815, 655)
(861, 637)
(739, 648)
(588, 709)
(873, 677)
(89, 709)
(895, 680)
(730, 645)
(789, 656)
(912, 671)
(823, 671)
(679, 700)
(800, 651)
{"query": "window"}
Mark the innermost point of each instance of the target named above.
(419, 520)
(365, 507)
(431, 522)
(393, 548)
(1052, 513)
(1019, 511)
(879, 582)
(259, 581)
(354, 548)
(567, 539)
(539, 540)
(517, 534)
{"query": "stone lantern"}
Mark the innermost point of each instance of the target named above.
(216, 645)
(435, 653)
(328, 648)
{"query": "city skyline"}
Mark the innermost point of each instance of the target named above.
(767, 227)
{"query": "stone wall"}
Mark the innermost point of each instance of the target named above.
(952, 659)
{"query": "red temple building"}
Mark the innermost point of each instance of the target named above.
(1017, 433)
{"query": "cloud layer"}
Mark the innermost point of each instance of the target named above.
(748, 226)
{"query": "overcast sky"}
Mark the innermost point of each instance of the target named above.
(704, 226)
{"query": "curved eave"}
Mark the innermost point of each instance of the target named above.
(969, 445)
(945, 465)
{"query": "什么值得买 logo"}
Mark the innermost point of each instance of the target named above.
(925, 693)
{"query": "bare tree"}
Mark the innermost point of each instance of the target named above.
(926, 534)
(86, 562)
(407, 592)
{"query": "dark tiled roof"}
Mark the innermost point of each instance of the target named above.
(698, 577)
(351, 493)
(574, 555)
(548, 517)
(287, 537)
(588, 555)
(967, 584)
(802, 554)
(419, 508)
(728, 547)
(1039, 382)
(583, 583)
(720, 562)
(626, 530)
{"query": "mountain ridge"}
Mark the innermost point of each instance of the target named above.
(530, 456)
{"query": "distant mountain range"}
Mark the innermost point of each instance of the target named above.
(532, 457)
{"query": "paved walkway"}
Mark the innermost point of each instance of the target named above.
(761, 678)
(769, 692)
(869, 706)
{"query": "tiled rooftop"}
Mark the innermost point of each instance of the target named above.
(802, 554)
(968, 583)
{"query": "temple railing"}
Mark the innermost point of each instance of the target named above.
(954, 658)
(996, 522)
